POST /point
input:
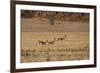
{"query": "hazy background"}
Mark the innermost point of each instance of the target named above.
(43, 21)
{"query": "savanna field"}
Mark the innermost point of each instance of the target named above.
(74, 46)
(62, 39)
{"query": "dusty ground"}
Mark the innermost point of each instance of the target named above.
(69, 40)
(43, 25)
(73, 47)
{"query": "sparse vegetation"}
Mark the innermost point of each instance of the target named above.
(73, 47)
(51, 18)
(54, 36)
(64, 16)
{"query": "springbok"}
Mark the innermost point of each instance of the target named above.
(61, 38)
(51, 42)
(42, 42)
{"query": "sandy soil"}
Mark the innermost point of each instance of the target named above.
(41, 41)
(33, 51)
(43, 25)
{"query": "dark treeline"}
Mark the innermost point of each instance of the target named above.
(64, 16)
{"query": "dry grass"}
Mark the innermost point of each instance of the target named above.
(74, 46)
(66, 39)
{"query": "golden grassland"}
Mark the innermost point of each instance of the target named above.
(73, 46)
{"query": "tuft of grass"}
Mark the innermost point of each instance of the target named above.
(51, 18)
